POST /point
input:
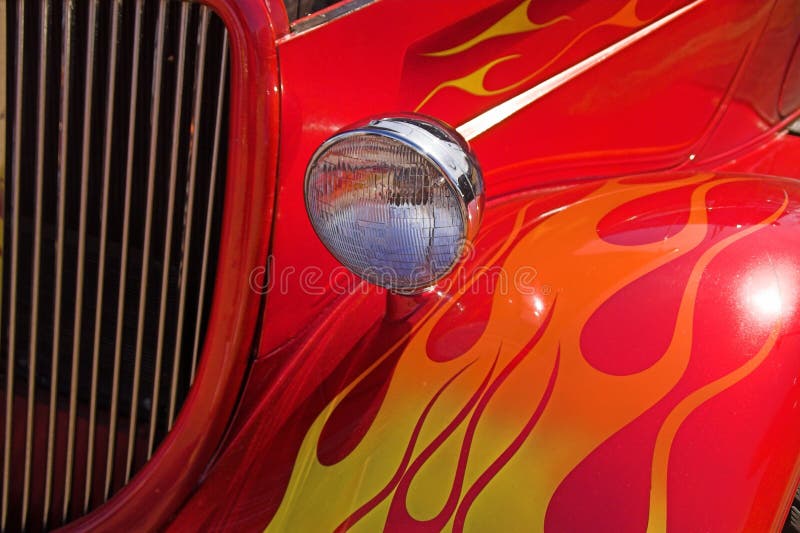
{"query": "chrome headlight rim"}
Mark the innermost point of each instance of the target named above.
(443, 148)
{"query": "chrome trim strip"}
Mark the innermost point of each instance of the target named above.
(167, 252)
(80, 274)
(3, 134)
(318, 19)
(158, 61)
(210, 205)
(187, 229)
(478, 125)
(98, 314)
(37, 256)
(123, 269)
(14, 211)
(66, 46)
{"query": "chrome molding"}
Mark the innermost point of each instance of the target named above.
(472, 128)
(323, 17)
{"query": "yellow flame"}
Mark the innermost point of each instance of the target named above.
(474, 83)
(657, 521)
(585, 406)
(516, 21)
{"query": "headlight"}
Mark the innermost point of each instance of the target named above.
(395, 200)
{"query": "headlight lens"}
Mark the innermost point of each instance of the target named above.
(395, 200)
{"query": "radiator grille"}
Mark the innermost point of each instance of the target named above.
(113, 181)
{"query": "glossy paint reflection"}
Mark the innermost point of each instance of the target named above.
(766, 293)
(602, 123)
(617, 376)
(488, 437)
(672, 400)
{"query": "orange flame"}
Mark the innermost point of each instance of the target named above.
(517, 22)
(483, 441)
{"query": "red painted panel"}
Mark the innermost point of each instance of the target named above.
(529, 422)
(752, 109)
(780, 156)
(642, 110)
(790, 92)
(562, 397)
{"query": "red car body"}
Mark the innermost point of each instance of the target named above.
(646, 376)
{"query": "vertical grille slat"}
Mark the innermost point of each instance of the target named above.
(209, 207)
(158, 59)
(112, 424)
(116, 153)
(173, 169)
(187, 231)
(41, 95)
(13, 209)
(63, 101)
(101, 269)
(4, 64)
(79, 276)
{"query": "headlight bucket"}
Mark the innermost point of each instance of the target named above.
(396, 199)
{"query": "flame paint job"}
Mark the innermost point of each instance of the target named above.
(486, 438)
(517, 22)
(603, 123)
(660, 306)
(648, 380)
